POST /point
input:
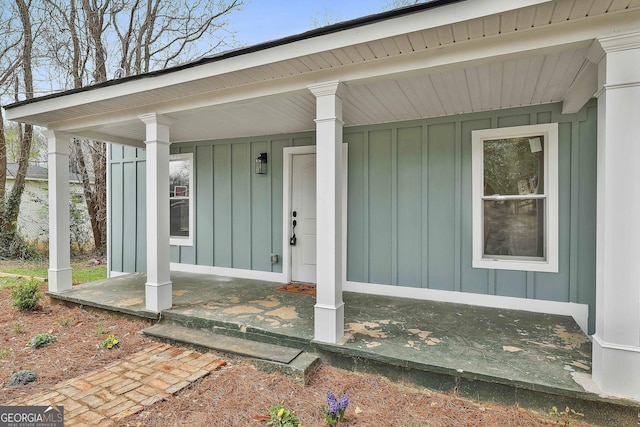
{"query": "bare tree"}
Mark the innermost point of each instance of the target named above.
(91, 40)
(69, 50)
(11, 207)
(324, 17)
(155, 34)
(9, 63)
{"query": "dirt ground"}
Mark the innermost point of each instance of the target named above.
(232, 396)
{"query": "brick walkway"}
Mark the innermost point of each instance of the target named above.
(108, 395)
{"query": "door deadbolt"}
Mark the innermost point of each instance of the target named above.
(293, 239)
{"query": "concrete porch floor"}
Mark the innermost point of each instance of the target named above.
(505, 356)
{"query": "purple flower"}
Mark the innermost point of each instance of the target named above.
(330, 397)
(344, 402)
(334, 407)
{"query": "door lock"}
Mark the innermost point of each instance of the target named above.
(293, 239)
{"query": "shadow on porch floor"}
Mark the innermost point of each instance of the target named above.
(506, 356)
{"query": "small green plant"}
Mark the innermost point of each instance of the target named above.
(5, 351)
(101, 330)
(21, 377)
(63, 322)
(567, 416)
(42, 340)
(334, 411)
(110, 343)
(25, 295)
(282, 416)
(18, 328)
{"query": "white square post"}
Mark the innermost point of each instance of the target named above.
(616, 343)
(59, 230)
(329, 308)
(158, 286)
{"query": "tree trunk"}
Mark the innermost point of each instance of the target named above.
(95, 24)
(95, 196)
(100, 190)
(12, 209)
(90, 194)
(3, 167)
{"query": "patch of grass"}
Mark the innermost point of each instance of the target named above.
(8, 282)
(65, 323)
(29, 270)
(84, 274)
(101, 330)
(80, 273)
(5, 351)
(18, 328)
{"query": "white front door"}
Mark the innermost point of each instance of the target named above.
(303, 212)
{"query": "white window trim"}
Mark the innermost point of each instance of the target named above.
(178, 240)
(550, 131)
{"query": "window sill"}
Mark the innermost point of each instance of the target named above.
(181, 241)
(516, 265)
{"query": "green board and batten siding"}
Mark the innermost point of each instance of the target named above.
(238, 218)
(409, 205)
(128, 209)
(238, 213)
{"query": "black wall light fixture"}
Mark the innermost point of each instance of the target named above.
(261, 164)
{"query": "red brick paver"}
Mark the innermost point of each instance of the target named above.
(114, 392)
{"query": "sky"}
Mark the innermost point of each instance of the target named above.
(264, 20)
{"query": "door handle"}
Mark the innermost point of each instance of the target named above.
(293, 239)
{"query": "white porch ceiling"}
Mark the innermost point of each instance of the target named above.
(395, 78)
(511, 83)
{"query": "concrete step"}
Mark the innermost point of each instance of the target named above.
(293, 362)
(237, 329)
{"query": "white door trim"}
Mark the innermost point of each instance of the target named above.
(287, 170)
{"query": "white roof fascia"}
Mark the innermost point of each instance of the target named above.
(549, 39)
(429, 18)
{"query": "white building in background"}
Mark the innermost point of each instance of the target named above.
(33, 220)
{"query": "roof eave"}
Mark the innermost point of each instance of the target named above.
(21, 111)
(317, 32)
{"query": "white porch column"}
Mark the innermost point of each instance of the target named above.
(59, 231)
(329, 308)
(616, 343)
(158, 286)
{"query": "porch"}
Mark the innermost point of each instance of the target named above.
(506, 356)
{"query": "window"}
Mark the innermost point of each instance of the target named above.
(515, 198)
(180, 199)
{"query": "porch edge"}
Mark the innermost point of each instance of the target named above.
(579, 312)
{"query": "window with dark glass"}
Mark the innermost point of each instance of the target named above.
(180, 202)
(515, 198)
